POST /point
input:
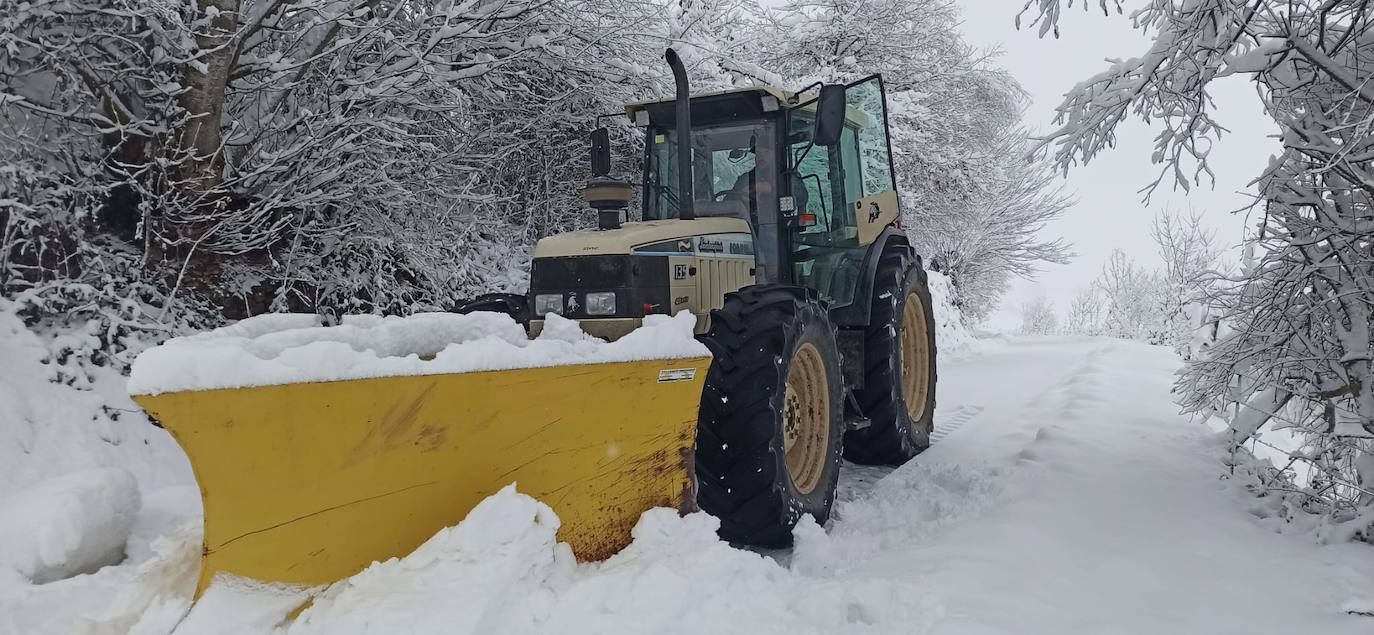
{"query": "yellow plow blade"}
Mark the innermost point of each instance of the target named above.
(310, 483)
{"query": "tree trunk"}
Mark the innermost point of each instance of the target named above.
(204, 98)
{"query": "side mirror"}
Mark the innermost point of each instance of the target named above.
(830, 107)
(601, 152)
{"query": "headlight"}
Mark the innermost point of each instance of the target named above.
(601, 303)
(546, 304)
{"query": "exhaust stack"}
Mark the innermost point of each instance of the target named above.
(686, 208)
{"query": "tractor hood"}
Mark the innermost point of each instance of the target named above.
(631, 235)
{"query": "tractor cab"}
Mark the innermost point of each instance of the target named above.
(737, 169)
(815, 193)
(798, 184)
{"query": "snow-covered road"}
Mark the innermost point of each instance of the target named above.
(1063, 495)
(1070, 498)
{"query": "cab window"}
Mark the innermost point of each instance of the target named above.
(734, 172)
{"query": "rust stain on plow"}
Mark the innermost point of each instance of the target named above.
(392, 431)
(688, 463)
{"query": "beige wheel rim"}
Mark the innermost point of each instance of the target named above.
(806, 418)
(915, 357)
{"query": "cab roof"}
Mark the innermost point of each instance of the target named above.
(784, 98)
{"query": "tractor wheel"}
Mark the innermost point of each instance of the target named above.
(898, 395)
(771, 419)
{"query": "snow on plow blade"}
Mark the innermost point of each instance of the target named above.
(309, 483)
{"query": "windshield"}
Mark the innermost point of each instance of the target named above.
(734, 171)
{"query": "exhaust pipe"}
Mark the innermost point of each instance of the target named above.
(686, 209)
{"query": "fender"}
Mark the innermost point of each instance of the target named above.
(857, 314)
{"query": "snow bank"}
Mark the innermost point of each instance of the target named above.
(292, 348)
(502, 570)
(50, 429)
(68, 525)
(69, 455)
(497, 571)
(953, 337)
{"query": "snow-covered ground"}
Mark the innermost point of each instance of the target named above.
(1063, 495)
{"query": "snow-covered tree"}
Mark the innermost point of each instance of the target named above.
(1038, 317)
(1191, 272)
(1087, 313)
(323, 154)
(1135, 300)
(1301, 313)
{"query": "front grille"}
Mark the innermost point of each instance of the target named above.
(639, 282)
(581, 272)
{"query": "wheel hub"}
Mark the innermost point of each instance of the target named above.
(915, 351)
(806, 418)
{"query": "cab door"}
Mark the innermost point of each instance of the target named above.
(844, 194)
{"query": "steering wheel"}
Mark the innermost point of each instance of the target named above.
(725, 195)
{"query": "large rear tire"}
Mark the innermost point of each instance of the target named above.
(898, 395)
(771, 422)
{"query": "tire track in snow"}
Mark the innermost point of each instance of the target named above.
(962, 415)
(857, 481)
(965, 471)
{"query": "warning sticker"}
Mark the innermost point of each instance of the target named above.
(676, 374)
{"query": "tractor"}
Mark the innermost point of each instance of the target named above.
(772, 216)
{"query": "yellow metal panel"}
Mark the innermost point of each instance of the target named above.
(310, 483)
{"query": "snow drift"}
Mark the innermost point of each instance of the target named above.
(50, 429)
(502, 571)
(293, 348)
(68, 525)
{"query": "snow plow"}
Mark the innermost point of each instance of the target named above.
(801, 333)
(306, 483)
(403, 458)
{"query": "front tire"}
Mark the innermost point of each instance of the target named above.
(898, 396)
(770, 426)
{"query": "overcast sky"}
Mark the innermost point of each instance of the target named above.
(1109, 213)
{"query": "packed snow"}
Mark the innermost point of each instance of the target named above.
(68, 525)
(234, 605)
(293, 348)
